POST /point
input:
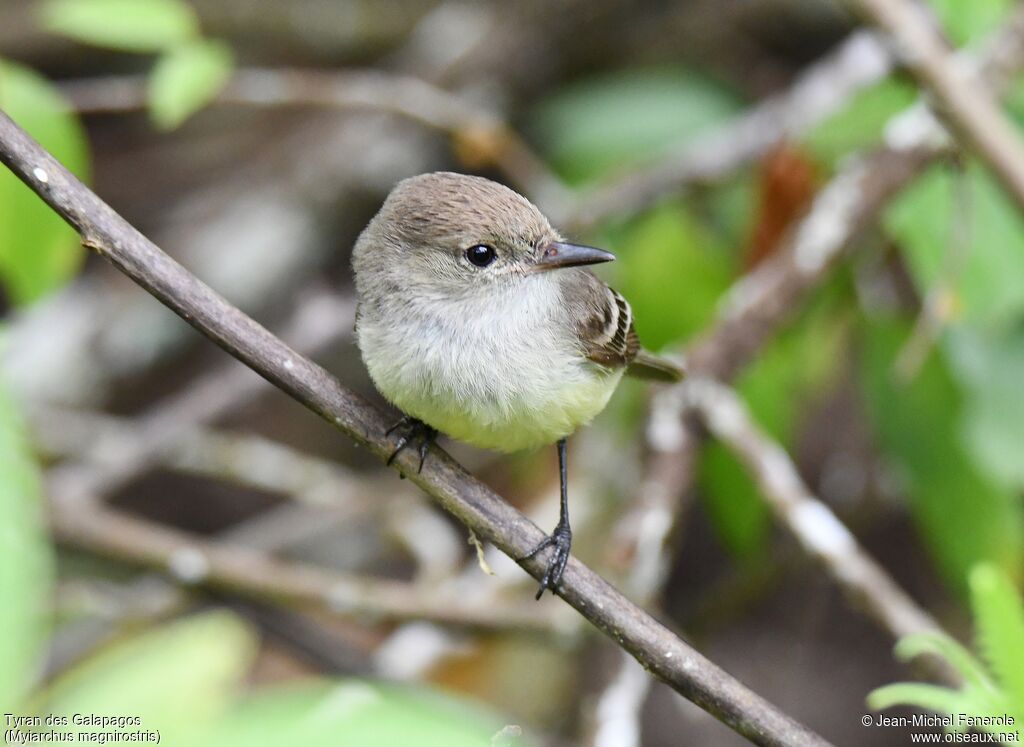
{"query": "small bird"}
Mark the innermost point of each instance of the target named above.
(475, 319)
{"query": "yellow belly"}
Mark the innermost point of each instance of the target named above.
(515, 425)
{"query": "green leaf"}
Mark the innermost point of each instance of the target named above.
(990, 366)
(38, 250)
(733, 503)
(931, 697)
(794, 368)
(25, 561)
(176, 678)
(862, 121)
(989, 288)
(964, 516)
(949, 649)
(999, 624)
(186, 79)
(592, 127)
(129, 25)
(967, 21)
(673, 271)
(357, 713)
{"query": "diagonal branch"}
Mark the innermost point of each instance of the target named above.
(966, 103)
(822, 536)
(651, 643)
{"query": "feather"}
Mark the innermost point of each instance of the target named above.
(654, 368)
(607, 336)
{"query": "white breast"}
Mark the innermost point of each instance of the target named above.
(505, 380)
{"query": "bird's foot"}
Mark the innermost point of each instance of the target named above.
(412, 430)
(561, 540)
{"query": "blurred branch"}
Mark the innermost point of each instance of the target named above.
(253, 573)
(809, 520)
(849, 204)
(963, 99)
(641, 540)
(107, 441)
(481, 136)
(655, 646)
(937, 306)
(822, 90)
(760, 302)
(319, 319)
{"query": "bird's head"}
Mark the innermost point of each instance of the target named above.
(451, 235)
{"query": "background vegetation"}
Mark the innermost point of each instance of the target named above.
(254, 140)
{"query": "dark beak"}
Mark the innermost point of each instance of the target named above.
(558, 254)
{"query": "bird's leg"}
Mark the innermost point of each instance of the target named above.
(561, 538)
(412, 430)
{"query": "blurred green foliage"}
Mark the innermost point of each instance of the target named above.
(25, 560)
(992, 691)
(861, 122)
(189, 70)
(965, 515)
(669, 259)
(989, 365)
(597, 125)
(186, 679)
(356, 713)
(986, 275)
(126, 25)
(38, 251)
(176, 678)
(185, 79)
(969, 22)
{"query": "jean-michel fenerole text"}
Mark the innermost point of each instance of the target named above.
(954, 721)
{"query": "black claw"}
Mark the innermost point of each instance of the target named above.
(561, 540)
(415, 430)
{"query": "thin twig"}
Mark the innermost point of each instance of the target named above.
(492, 519)
(760, 302)
(849, 204)
(938, 304)
(484, 136)
(104, 441)
(319, 319)
(252, 573)
(819, 92)
(822, 535)
(964, 101)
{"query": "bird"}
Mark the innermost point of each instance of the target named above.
(476, 319)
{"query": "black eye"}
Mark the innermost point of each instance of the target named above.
(481, 255)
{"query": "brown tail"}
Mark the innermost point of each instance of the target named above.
(649, 366)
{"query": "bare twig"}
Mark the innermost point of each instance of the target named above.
(483, 136)
(109, 442)
(810, 521)
(657, 648)
(762, 300)
(253, 573)
(319, 319)
(849, 204)
(964, 100)
(937, 306)
(821, 91)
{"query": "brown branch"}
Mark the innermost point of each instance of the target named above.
(819, 92)
(255, 574)
(964, 101)
(848, 205)
(484, 136)
(760, 302)
(492, 519)
(319, 319)
(821, 535)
